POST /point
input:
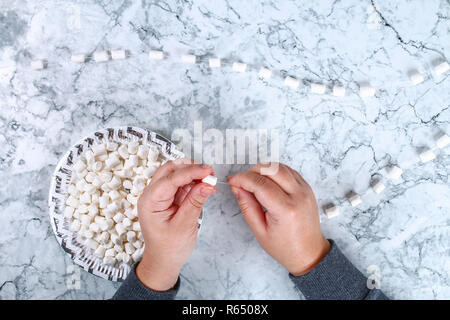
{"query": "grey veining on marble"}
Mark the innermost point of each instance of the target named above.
(336, 143)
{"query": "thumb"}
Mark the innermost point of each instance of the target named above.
(251, 210)
(192, 205)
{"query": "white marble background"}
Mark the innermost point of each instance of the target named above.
(337, 144)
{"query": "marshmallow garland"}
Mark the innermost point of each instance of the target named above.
(393, 173)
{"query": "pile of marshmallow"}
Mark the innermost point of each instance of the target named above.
(101, 204)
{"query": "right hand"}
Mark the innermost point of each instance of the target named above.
(289, 229)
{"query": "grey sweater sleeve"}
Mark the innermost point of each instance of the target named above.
(133, 289)
(335, 278)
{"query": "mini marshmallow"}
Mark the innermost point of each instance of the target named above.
(443, 141)
(85, 198)
(212, 180)
(136, 226)
(132, 199)
(91, 244)
(103, 201)
(100, 251)
(156, 55)
(114, 183)
(118, 217)
(38, 64)
(109, 261)
(127, 223)
(102, 157)
(125, 257)
(120, 229)
(86, 220)
(90, 189)
(427, 155)
(137, 244)
(366, 91)
(104, 237)
(75, 226)
(94, 227)
(101, 56)
(127, 184)
(110, 253)
(71, 201)
(142, 151)
(112, 161)
(291, 82)
(79, 166)
(131, 236)
(378, 187)
(88, 234)
(188, 58)
(416, 78)
(264, 73)
(131, 162)
(394, 172)
(106, 176)
(118, 54)
(441, 68)
(149, 172)
(111, 146)
(114, 195)
(81, 184)
(133, 147)
(99, 149)
(129, 249)
(239, 67)
(90, 176)
(354, 199)
(115, 238)
(214, 63)
(338, 91)
(318, 88)
(82, 208)
(68, 212)
(123, 151)
(332, 211)
(153, 154)
(78, 58)
(137, 255)
(118, 248)
(97, 166)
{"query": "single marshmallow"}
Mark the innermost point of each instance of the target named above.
(212, 180)
(133, 147)
(394, 172)
(127, 184)
(71, 201)
(137, 244)
(416, 78)
(239, 66)
(123, 151)
(441, 68)
(99, 149)
(120, 229)
(318, 88)
(149, 172)
(75, 226)
(188, 58)
(85, 198)
(443, 141)
(338, 91)
(129, 249)
(111, 146)
(118, 248)
(109, 261)
(427, 155)
(291, 82)
(79, 166)
(156, 55)
(112, 161)
(114, 183)
(331, 211)
(68, 212)
(131, 162)
(115, 238)
(264, 73)
(118, 217)
(86, 220)
(97, 166)
(101, 56)
(354, 199)
(118, 54)
(131, 236)
(153, 154)
(127, 223)
(38, 64)
(100, 251)
(110, 253)
(78, 58)
(366, 91)
(106, 176)
(378, 187)
(136, 226)
(142, 151)
(91, 244)
(114, 195)
(214, 63)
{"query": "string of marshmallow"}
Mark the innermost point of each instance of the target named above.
(366, 90)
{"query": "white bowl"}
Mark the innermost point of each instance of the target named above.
(61, 179)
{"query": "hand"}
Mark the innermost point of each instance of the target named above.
(168, 212)
(289, 229)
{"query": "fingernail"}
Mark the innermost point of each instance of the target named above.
(206, 191)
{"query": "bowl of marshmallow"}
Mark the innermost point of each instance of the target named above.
(93, 197)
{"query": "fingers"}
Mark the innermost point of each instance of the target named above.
(251, 210)
(192, 205)
(283, 176)
(266, 191)
(160, 194)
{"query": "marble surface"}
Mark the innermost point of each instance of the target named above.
(338, 144)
